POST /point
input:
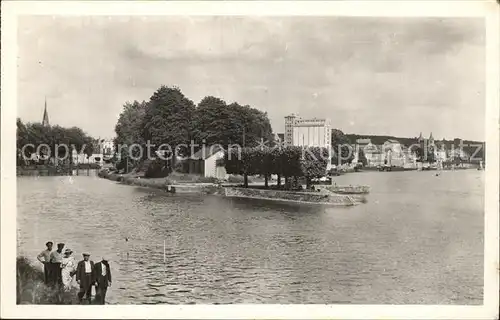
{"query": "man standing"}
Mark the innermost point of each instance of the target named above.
(44, 257)
(55, 265)
(103, 279)
(85, 276)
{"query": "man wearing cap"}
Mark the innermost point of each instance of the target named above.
(55, 265)
(85, 276)
(44, 257)
(103, 279)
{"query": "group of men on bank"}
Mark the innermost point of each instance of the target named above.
(60, 267)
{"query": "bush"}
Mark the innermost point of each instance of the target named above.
(179, 177)
(182, 166)
(31, 288)
(208, 180)
(237, 179)
(158, 169)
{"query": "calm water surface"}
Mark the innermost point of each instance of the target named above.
(418, 240)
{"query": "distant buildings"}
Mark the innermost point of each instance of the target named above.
(391, 153)
(394, 153)
(102, 151)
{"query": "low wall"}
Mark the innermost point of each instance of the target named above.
(292, 196)
(209, 188)
(348, 189)
(162, 184)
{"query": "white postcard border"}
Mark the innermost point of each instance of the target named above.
(487, 9)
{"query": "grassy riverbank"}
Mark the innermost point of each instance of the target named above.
(31, 288)
(51, 170)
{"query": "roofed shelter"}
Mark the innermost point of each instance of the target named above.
(208, 162)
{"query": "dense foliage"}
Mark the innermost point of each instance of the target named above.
(216, 122)
(170, 118)
(342, 151)
(286, 162)
(167, 119)
(31, 289)
(32, 136)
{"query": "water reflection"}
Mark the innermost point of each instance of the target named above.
(417, 240)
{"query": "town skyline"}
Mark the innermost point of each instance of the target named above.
(413, 81)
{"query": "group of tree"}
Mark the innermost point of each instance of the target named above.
(169, 117)
(45, 141)
(342, 148)
(287, 162)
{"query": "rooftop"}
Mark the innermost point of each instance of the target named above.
(206, 152)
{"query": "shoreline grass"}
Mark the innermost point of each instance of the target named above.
(31, 288)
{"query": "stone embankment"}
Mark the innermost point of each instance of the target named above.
(348, 189)
(322, 197)
(162, 184)
(325, 198)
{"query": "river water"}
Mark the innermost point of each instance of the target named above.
(418, 240)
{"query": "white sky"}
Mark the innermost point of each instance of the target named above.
(394, 76)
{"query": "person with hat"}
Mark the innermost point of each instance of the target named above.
(68, 266)
(103, 279)
(85, 276)
(55, 265)
(44, 257)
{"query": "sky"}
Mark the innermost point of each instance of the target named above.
(386, 76)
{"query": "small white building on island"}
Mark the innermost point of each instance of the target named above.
(208, 162)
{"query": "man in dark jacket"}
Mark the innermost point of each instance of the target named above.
(85, 276)
(103, 279)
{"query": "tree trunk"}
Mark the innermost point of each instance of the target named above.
(266, 181)
(245, 180)
(71, 162)
(287, 182)
(308, 183)
(279, 180)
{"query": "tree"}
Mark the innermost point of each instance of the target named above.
(276, 163)
(267, 164)
(314, 163)
(167, 119)
(418, 150)
(59, 140)
(21, 141)
(249, 126)
(290, 162)
(342, 151)
(215, 122)
(362, 157)
(129, 129)
(212, 123)
(431, 156)
(242, 162)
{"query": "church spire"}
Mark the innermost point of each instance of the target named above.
(431, 139)
(45, 121)
(420, 138)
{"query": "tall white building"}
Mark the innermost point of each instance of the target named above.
(308, 133)
(312, 133)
